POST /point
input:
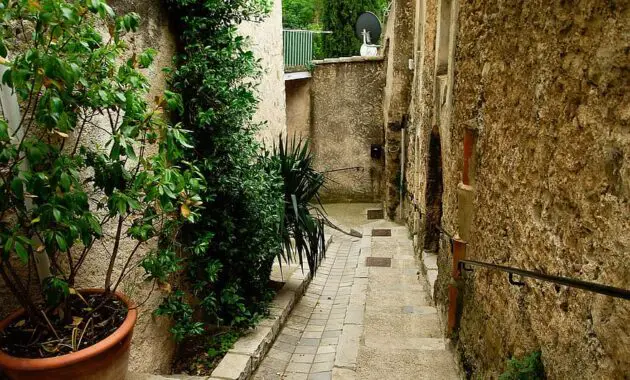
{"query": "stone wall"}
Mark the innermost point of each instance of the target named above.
(541, 89)
(346, 119)
(398, 51)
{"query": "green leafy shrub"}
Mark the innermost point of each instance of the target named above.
(230, 250)
(249, 215)
(75, 160)
(527, 368)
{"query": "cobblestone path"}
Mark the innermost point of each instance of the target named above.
(359, 322)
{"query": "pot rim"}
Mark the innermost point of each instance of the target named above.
(30, 364)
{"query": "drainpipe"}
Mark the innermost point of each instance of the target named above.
(11, 113)
(402, 172)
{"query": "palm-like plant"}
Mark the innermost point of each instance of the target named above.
(302, 226)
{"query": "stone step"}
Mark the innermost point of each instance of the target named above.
(430, 268)
(395, 364)
(148, 376)
(405, 343)
(429, 259)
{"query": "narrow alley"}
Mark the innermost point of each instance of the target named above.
(365, 315)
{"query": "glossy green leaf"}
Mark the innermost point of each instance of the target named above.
(56, 214)
(146, 57)
(17, 186)
(61, 242)
(21, 252)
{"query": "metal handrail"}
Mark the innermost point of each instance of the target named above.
(566, 281)
(570, 282)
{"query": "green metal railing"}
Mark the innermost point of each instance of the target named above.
(298, 47)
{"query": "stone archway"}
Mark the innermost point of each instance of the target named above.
(433, 193)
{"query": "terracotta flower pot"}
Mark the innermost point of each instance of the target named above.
(106, 360)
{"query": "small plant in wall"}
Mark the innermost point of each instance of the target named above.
(87, 168)
(529, 367)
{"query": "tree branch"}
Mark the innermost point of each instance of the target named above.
(112, 260)
(122, 272)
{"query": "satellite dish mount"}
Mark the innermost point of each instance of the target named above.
(368, 29)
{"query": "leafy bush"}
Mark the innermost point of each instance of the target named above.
(59, 188)
(528, 368)
(230, 250)
(249, 212)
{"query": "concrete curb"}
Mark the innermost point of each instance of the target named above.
(429, 268)
(245, 357)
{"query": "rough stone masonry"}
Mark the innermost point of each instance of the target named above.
(542, 89)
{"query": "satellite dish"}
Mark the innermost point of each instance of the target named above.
(368, 29)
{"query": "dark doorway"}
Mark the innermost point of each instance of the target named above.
(433, 193)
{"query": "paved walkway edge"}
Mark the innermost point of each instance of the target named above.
(249, 350)
(352, 334)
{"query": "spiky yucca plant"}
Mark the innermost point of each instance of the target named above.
(302, 226)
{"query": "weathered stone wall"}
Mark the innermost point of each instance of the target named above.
(421, 119)
(266, 43)
(346, 119)
(544, 88)
(399, 44)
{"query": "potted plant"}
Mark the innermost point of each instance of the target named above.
(87, 167)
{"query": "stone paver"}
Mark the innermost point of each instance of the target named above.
(402, 336)
(307, 345)
(358, 322)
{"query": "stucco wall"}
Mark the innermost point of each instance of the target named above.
(347, 118)
(298, 94)
(152, 346)
(544, 86)
(266, 43)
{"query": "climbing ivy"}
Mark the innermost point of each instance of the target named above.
(230, 250)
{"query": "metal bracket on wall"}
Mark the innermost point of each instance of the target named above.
(514, 282)
(462, 266)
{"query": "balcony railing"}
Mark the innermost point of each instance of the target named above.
(298, 47)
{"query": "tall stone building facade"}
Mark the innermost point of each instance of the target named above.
(517, 143)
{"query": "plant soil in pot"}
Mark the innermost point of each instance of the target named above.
(98, 357)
